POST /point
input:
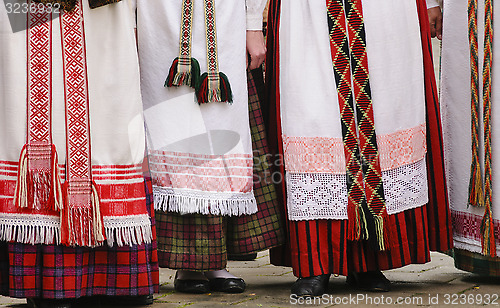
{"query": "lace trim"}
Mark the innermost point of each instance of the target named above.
(215, 203)
(128, 230)
(41, 229)
(324, 196)
(30, 229)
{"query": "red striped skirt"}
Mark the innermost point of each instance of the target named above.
(321, 246)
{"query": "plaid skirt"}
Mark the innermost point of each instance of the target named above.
(202, 242)
(476, 263)
(60, 272)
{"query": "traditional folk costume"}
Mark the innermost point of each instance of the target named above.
(73, 214)
(468, 89)
(358, 127)
(200, 148)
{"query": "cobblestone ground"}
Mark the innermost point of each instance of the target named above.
(435, 284)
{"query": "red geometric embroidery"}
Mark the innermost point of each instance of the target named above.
(39, 68)
(76, 98)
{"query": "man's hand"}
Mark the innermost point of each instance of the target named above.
(436, 22)
(256, 48)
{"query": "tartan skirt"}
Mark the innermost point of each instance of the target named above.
(202, 242)
(476, 263)
(60, 272)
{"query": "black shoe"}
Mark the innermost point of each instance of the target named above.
(311, 286)
(121, 301)
(373, 281)
(191, 286)
(247, 257)
(227, 285)
(48, 303)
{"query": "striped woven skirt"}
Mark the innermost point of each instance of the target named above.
(321, 247)
(202, 242)
(60, 272)
(476, 263)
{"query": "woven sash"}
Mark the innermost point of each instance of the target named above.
(479, 194)
(212, 86)
(366, 202)
(38, 185)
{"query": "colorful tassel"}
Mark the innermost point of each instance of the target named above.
(488, 243)
(214, 89)
(358, 229)
(184, 72)
(476, 194)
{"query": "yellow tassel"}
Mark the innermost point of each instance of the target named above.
(363, 224)
(476, 195)
(379, 232)
(97, 223)
(21, 192)
(56, 181)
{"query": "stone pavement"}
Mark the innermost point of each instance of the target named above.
(435, 284)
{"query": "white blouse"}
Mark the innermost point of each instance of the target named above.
(255, 8)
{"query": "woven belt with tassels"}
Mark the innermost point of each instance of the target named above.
(479, 195)
(38, 184)
(212, 86)
(366, 210)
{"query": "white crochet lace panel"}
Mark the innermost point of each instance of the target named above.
(324, 196)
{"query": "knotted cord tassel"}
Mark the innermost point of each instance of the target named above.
(184, 72)
(358, 229)
(21, 192)
(38, 186)
(214, 88)
(476, 194)
(381, 240)
(488, 234)
(81, 219)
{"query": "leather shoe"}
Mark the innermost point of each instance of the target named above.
(373, 281)
(311, 286)
(227, 285)
(193, 286)
(48, 303)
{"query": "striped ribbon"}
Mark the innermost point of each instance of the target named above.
(479, 195)
(212, 86)
(366, 201)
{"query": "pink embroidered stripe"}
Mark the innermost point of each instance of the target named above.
(213, 173)
(326, 155)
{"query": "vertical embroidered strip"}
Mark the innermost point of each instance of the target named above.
(366, 202)
(81, 220)
(185, 70)
(38, 185)
(479, 195)
(212, 86)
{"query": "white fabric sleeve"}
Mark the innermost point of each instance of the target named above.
(255, 8)
(433, 3)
